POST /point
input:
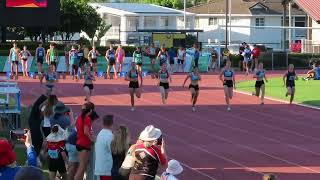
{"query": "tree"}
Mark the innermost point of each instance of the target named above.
(91, 21)
(177, 4)
(102, 30)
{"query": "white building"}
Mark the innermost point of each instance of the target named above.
(128, 18)
(252, 21)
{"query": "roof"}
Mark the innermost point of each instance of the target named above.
(137, 8)
(244, 7)
(311, 7)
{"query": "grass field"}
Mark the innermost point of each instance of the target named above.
(307, 92)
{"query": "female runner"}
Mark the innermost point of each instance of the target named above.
(24, 55)
(194, 86)
(260, 75)
(88, 84)
(138, 58)
(289, 79)
(227, 76)
(164, 77)
(51, 78)
(133, 77)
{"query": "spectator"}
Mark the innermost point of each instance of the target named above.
(196, 55)
(57, 156)
(85, 138)
(174, 169)
(8, 166)
(103, 160)
(30, 173)
(119, 147)
(241, 50)
(148, 155)
(62, 116)
(172, 55)
(47, 111)
(255, 57)
(128, 163)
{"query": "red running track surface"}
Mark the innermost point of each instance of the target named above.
(211, 143)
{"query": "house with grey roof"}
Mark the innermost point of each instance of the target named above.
(134, 22)
(252, 21)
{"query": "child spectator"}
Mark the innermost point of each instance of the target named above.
(57, 156)
(103, 160)
(174, 169)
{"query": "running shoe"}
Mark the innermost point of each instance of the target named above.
(229, 109)
(132, 109)
(193, 108)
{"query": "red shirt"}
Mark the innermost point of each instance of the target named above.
(82, 139)
(256, 52)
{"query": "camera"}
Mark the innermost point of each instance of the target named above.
(18, 134)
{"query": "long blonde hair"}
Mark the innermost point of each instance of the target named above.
(121, 140)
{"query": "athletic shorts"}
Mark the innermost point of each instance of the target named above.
(171, 61)
(112, 62)
(290, 84)
(57, 165)
(15, 62)
(228, 83)
(81, 148)
(180, 61)
(139, 64)
(72, 153)
(134, 85)
(95, 60)
(164, 85)
(259, 84)
(195, 87)
(40, 60)
(83, 61)
(90, 86)
(24, 59)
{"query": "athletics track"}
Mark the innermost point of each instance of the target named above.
(211, 143)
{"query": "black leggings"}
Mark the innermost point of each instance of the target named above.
(196, 62)
(74, 69)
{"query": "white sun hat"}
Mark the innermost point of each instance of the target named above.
(150, 133)
(174, 167)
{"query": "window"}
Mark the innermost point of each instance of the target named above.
(260, 22)
(213, 21)
(149, 21)
(197, 23)
(164, 21)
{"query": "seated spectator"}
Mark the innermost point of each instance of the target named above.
(62, 115)
(314, 73)
(174, 169)
(57, 156)
(30, 173)
(149, 154)
(103, 154)
(119, 147)
(8, 166)
(85, 138)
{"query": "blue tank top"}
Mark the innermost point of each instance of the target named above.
(87, 76)
(112, 54)
(194, 77)
(40, 52)
(228, 73)
(260, 74)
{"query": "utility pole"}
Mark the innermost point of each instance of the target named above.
(290, 23)
(226, 34)
(184, 14)
(284, 19)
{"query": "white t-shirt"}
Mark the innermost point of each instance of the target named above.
(46, 120)
(103, 154)
(166, 176)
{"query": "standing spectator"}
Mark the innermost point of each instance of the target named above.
(66, 57)
(163, 55)
(214, 58)
(8, 167)
(120, 54)
(57, 156)
(138, 58)
(52, 56)
(172, 55)
(24, 56)
(85, 139)
(247, 57)
(47, 112)
(72, 153)
(119, 147)
(196, 55)
(111, 59)
(241, 50)
(74, 62)
(181, 58)
(93, 58)
(174, 169)
(151, 51)
(14, 60)
(255, 57)
(103, 160)
(62, 116)
(148, 155)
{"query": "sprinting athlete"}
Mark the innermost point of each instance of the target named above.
(51, 78)
(40, 53)
(93, 58)
(14, 60)
(88, 76)
(52, 56)
(120, 54)
(164, 77)
(227, 77)
(138, 58)
(194, 77)
(111, 58)
(260, 75)
(24, 56)
(74, 62)
(133, 77)
(289, 79)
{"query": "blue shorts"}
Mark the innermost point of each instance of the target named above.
(72, 153)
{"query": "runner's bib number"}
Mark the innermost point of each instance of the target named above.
(53, 154)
